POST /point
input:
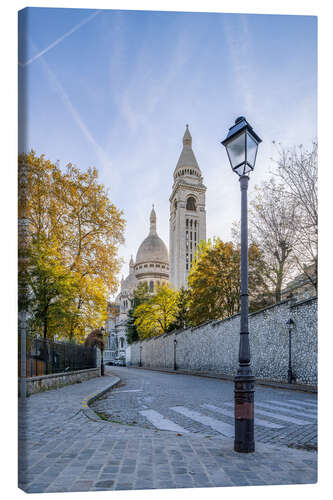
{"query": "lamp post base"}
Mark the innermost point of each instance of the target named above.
(244, 414)
(290, 376)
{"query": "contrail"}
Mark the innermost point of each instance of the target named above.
(102, 156)
(85, 21)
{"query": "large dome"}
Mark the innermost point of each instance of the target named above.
(152, 249)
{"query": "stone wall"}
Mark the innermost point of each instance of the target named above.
(213, 346)
(56, 380)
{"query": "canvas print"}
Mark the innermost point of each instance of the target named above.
(167, 264)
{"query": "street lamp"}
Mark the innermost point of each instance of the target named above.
(140, 362)
(102, 353)
(174, 354)
(241, 144)
(290, 324)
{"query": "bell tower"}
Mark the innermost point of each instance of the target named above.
(187, 221)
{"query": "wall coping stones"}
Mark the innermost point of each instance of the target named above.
(305, 301)
(60, 374)
(214, 322)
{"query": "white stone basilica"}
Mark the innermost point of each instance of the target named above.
(187, 226)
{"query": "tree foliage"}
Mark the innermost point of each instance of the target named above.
(154, 316)
(297, 168)
(182, 312)
(214, 281)
(273, 219)
(74, 232)
(140, 295)
(95, 339)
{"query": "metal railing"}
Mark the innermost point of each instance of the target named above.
(45, 357)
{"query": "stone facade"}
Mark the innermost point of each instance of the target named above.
(151, 266)
(213, 346)
(187, 223)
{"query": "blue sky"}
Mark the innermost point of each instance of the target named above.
(114, 89)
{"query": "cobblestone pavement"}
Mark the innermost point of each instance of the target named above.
(281, 416)
(62, 449)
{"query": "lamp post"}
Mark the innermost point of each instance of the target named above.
(174, 354)
(241, 144)
(23, 290)
(290, 324)
(102, 353)
(140, 362)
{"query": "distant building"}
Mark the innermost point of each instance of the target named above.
(152, 267)
(187, 226)
(302, 287)
(187, 223)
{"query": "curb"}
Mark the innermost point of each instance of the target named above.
(93, 396)
(266, 383)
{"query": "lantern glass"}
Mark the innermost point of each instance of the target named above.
(240, 169)
(236, 150)
(241, 144)
(251, 150)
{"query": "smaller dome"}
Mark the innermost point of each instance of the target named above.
(129, 284)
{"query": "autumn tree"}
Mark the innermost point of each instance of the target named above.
(154, 316)
(52, 286)
(214, 280)
(70, 215)
(140, 295)
(273, 221)
(182, 314)
(297, 168)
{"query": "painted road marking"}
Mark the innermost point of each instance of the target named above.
(312, 411)
(217, 425)
(229, 413)
(161, 422)
(306, 403)
(286, 410)
(278, 416)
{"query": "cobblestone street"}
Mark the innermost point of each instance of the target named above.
(63, 447)
(192, 403)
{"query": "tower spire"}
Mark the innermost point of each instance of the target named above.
(187, 139)
(153, 221)
(131, 265)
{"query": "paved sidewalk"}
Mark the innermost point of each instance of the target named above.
(63, 449)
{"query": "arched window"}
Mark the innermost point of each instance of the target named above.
(190, 204)
(151, 286)
(122, 343)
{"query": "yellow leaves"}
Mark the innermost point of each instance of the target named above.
(74, 234)
(154, 316)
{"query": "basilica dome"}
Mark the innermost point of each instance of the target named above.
(153, 248)
(152, 260)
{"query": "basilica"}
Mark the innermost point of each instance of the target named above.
(153, 263)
